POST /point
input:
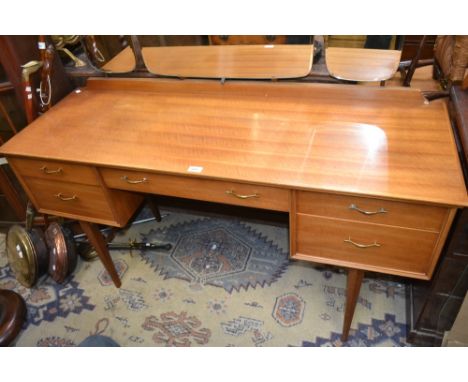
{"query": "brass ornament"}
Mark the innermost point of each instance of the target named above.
(27, 254)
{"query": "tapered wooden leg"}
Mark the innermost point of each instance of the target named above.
(352, 293)
(154, 208)
(97, 240)
(11, 195)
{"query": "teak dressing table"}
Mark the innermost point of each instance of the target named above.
(370, 176)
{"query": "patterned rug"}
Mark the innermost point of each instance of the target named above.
(226, 282)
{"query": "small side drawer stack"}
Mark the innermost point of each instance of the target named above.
(369, 234)
(73, 191)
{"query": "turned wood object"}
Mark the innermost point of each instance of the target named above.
(12, 316)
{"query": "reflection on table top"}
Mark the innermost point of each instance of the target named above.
(355, 64)
(341, 138)
(230, 61)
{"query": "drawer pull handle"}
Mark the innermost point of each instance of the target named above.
(374, 244)
(45, 171)
(233, 193)
(65, 198)
(125, 177)
(356, 208)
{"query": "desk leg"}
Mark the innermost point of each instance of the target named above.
(97, 240)
(352, 293)
(153, 206)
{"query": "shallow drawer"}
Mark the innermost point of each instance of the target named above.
(386, 249)
(53, 170)
(199, 189)
(70, 199)
(371, 210)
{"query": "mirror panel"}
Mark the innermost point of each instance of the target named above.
(230, 61)
(111, 54)
(360, 58)
(236, 57)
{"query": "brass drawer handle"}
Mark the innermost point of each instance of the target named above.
(65, 198)
(233, 193)
(375, 244)
(356, 208)
(45, 171)
(125, 177)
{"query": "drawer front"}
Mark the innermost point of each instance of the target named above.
(52, 170)
(371, 210)
(400, 251)
(199, 189)
(70, 199)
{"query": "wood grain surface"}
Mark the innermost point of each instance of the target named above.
(52, 170)
(230, 61)
(402, 251)
(354, 64)
(89, 201)
(409, 215)
(380, 142)
(271, 198)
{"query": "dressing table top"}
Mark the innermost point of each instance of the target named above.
(382, 142)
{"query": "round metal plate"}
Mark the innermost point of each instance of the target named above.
(63, 257)
(58, 263)
(21, 254)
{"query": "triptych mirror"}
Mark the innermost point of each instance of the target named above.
(224, 57)
(239, 57)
